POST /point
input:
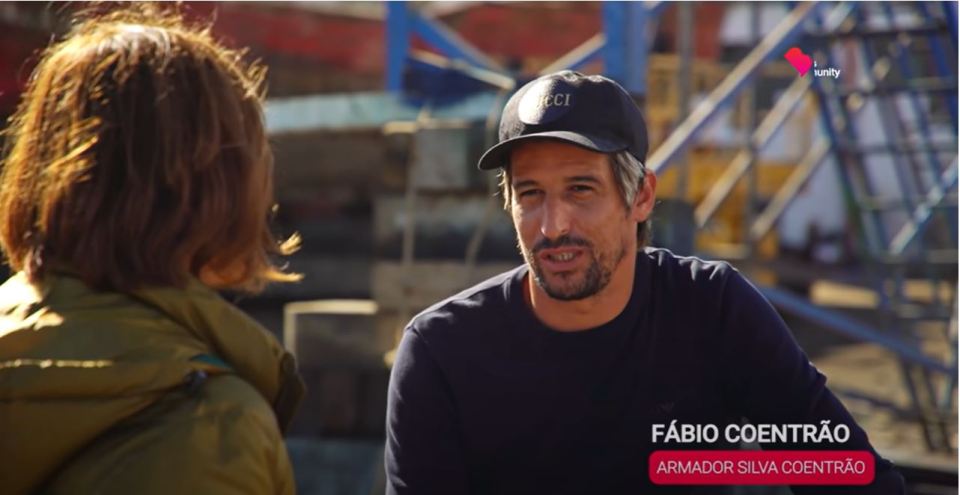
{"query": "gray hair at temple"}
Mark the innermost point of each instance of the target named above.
(629, 174)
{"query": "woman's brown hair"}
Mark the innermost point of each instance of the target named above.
(138, 156)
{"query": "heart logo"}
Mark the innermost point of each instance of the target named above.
(799, 60)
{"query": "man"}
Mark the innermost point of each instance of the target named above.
(550, 378)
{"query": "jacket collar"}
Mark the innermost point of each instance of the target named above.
(233, 336)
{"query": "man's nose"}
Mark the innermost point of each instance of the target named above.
(556, 219)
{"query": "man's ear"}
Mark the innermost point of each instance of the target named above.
(646, 196)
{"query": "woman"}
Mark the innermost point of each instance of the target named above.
(136, 181)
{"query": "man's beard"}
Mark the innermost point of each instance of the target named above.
(597, 275)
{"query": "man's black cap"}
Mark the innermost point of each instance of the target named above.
(589, 111)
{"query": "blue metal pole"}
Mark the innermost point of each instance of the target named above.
(851, 328)
(625, 50)
(637, 50)
(615, 32)
(398, 43)
(940, 56)
(950, 11)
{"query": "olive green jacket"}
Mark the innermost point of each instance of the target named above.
(157, 392)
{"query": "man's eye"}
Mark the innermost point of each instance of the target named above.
(580, 188)
(528, 193)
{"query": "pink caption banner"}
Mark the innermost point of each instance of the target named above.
(770, 467)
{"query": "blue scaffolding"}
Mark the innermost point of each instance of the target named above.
(910, 232)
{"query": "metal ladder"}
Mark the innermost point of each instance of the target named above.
(910, 230)
(903, 233)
